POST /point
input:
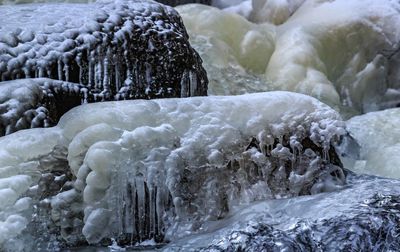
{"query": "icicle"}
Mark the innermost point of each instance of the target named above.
(185, 84)
(79, 62)
(192, 83)
(49, 73)
(60, 70)
(66, 71)
(117, 78)
(41, 72)
(27, 72)
(161, 200)
(97, 69)
(152, 210)
(91, 70)
(106, 71)
(141, 206)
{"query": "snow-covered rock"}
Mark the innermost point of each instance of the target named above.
(158, 169)
(123, 49)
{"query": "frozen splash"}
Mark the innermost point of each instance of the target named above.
(161, 169)
(119, 50)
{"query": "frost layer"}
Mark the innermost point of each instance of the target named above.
(121, 50)
(341, 52)
(378, 135)
(138, 170)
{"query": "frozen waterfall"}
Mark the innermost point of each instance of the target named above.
(295, 149)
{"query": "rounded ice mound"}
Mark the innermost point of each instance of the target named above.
(119, 49)
(378, 135)
(158, 169)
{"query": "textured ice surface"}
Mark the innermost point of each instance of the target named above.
(123, 49)
(378, 135)
(136, 170)
(337, 51)
(364, 216)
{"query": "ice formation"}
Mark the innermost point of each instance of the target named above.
(122, 49)
(364, 216)
(158, 169)
(378, 135)
(341, 51)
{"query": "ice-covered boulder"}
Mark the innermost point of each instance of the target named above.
(138, 170)
(118, 49)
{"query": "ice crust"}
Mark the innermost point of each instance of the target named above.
(122, 49)
(138, 170)
(337, 51)
(378, 135)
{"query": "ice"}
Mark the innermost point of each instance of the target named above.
(160, 169)
(273, 11)
(341, 52)
(39, 102)
(117, 49)
(378, 136)
(365, 217)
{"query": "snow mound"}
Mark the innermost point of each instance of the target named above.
(138, 170)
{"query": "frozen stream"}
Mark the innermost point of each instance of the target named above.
(295, 149)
